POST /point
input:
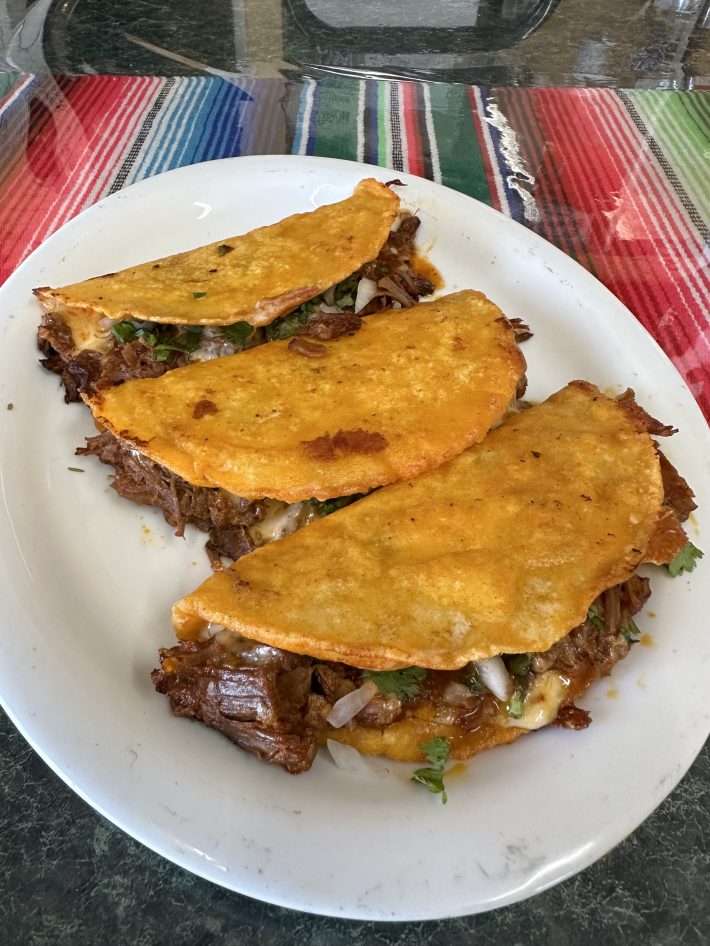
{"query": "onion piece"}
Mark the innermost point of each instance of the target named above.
(332, 309)
(350, 705)
(346, 757)
(494, 675)
(329, 295)
(456, 693)
(366, 292)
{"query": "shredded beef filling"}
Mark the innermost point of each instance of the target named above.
(89, 371)
(224, 517)
(273, 703)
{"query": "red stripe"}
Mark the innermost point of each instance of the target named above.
(588, 184)
(91, 131)
(410, 117)
(526, 114)
(639, 253)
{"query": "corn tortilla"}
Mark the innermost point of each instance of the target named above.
(254, 278)
(501, 550)
(411, 389)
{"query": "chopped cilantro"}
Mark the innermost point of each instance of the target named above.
(326, 506)
(288, 325)
(685, 560)
(237, 333)
(437, 752)
(404, 684)
(124, 331)
(346, 301)
(516, 704)
(518, 664)
(75, 469)
(595, 617)
(224, 248)
(199, 295)
(10, 406)
(630, 631)
(160, 338)
(470, 676)
(129, 331)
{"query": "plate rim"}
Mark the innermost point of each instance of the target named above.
(530, 236)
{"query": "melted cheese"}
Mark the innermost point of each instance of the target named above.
(542, 703)
(88, 329)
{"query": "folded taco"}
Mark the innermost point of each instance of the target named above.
(357, 254)
(463, 608)
(274, 432)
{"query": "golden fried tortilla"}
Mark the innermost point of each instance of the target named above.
(501, 550)
(411, 389)
(253, 278)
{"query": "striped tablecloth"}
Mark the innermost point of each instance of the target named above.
(618, 180)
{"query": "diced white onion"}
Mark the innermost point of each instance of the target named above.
(334, 309)
(350, 705)
(346, 757)
(366, 292)
(329, 295)
(494, 675)
(456, 693)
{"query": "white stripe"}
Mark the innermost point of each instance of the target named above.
(16, 92)
(387, 86)
(306, 122)
(492, 156)
(435, 165)
(360, 121)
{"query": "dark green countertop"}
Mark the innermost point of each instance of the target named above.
(69, 876)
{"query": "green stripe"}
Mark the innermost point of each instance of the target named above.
(680, 124)
(336, 119)
(382, 130)
(459, 151)
(7, 80)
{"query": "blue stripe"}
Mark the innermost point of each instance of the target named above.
(154, 159)
(515, 201)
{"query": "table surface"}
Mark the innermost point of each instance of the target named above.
(66, 874)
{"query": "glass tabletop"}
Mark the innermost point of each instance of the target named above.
(658, 44)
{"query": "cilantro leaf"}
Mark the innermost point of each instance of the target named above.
(595, 617)
(434, 781)
(518, 664)
(630, 631)
(685, 560)
(199, 295)
(437, 751)
(288, 325)
(326, 506)
(188, 340)
(123, 331)
(516, 704)
(470, 676)
(224, 248)
(404, 684)
(237, 333)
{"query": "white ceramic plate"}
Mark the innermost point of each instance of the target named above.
(87, 581)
